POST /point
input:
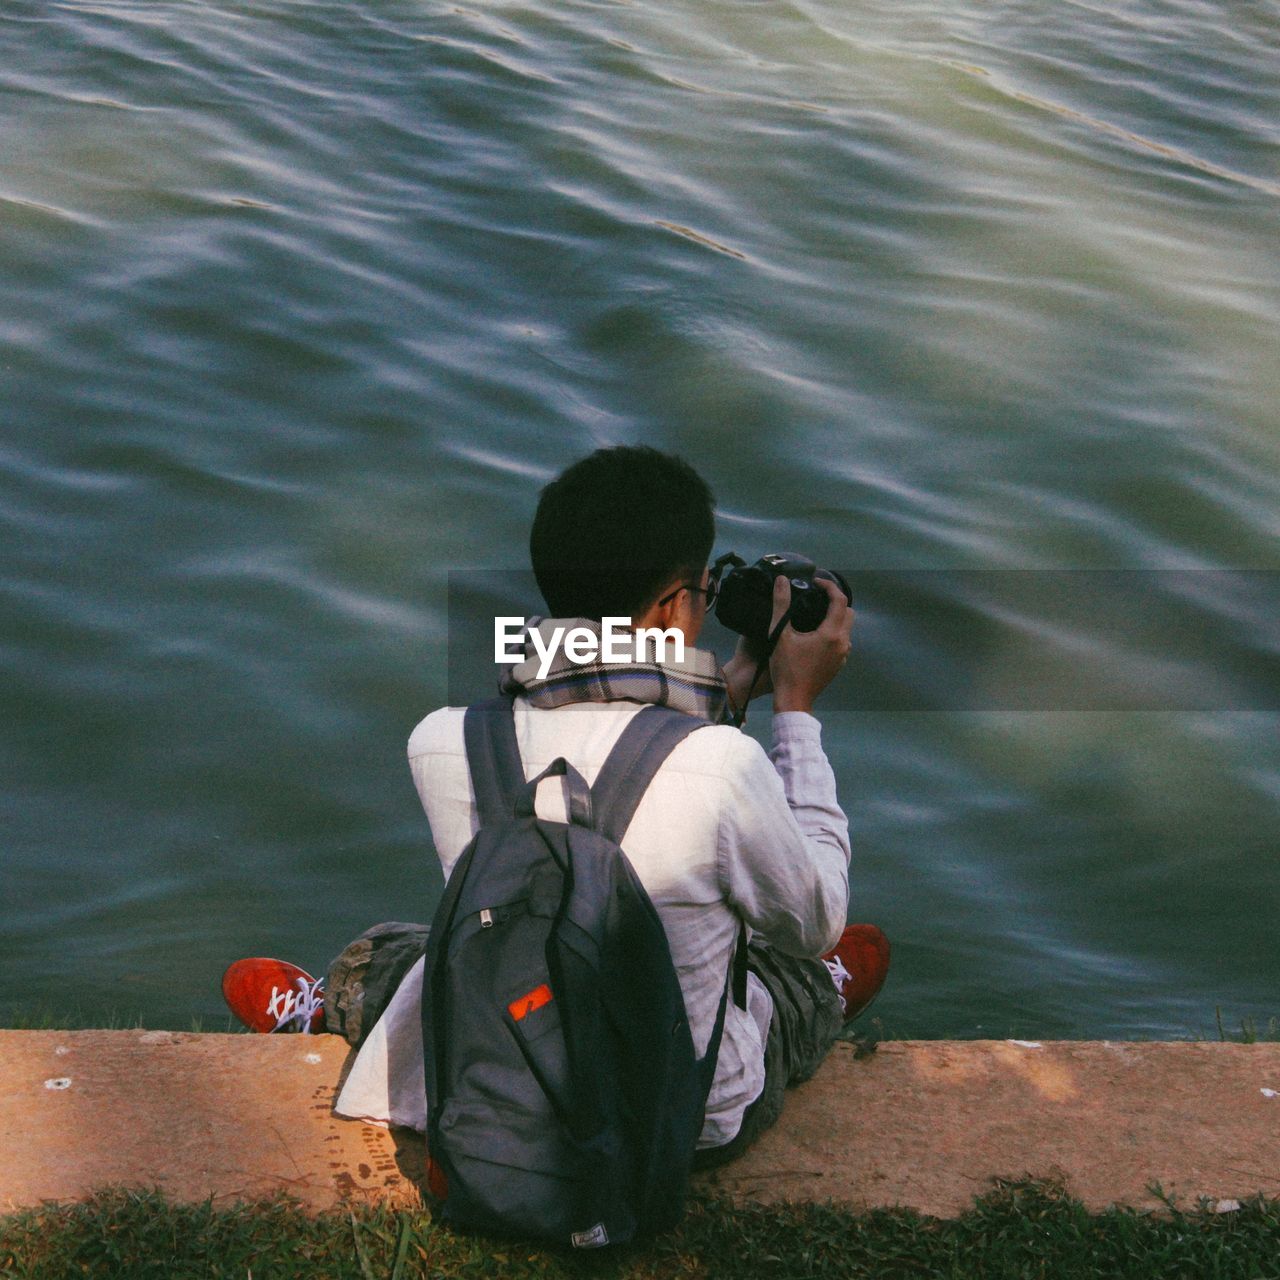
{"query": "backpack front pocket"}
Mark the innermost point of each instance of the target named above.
(534, 1022)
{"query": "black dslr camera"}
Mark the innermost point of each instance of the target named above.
(744, 601)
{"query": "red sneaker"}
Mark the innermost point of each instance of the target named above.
(274, 995)
(858, 965)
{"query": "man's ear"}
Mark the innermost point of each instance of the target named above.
(663, 616)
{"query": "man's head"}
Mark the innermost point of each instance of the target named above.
(617, 529)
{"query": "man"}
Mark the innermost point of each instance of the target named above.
(724, 833)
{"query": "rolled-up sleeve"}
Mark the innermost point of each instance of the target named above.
(783, 840)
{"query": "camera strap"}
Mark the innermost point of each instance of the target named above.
(770, 645)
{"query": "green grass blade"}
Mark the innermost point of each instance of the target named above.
(402, 1249)
(361, 1255)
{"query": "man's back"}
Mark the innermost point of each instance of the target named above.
(712, 839)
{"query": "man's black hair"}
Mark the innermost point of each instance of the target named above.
(616, 528)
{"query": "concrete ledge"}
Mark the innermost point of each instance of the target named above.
(930, 1124)
(925, 1124)
(232, 1117)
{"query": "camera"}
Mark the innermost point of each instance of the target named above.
(744, 602)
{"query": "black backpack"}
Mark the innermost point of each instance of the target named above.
(564, 1099)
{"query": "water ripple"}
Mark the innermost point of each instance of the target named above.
(305, 303)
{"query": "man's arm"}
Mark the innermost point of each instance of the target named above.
(784, 840)
(783, 844)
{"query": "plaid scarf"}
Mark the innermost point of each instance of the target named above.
(695, 686)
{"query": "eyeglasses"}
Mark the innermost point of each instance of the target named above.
(711, 590)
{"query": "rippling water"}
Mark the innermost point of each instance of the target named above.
(304, 300)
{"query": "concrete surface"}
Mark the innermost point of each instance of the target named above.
(235, 1117)
(928, 1124)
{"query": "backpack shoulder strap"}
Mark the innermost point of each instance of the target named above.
(493, 756)
(636, 756)
(623, 778)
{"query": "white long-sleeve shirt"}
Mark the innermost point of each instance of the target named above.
(723, 833)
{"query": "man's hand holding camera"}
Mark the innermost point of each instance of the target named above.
(803, 663)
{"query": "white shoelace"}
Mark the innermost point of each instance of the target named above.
(839, 975)
(296, 1006)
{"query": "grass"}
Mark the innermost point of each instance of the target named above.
(1019, 1230)
(1251, 1030)
(43, 1017)
(48, 1018)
